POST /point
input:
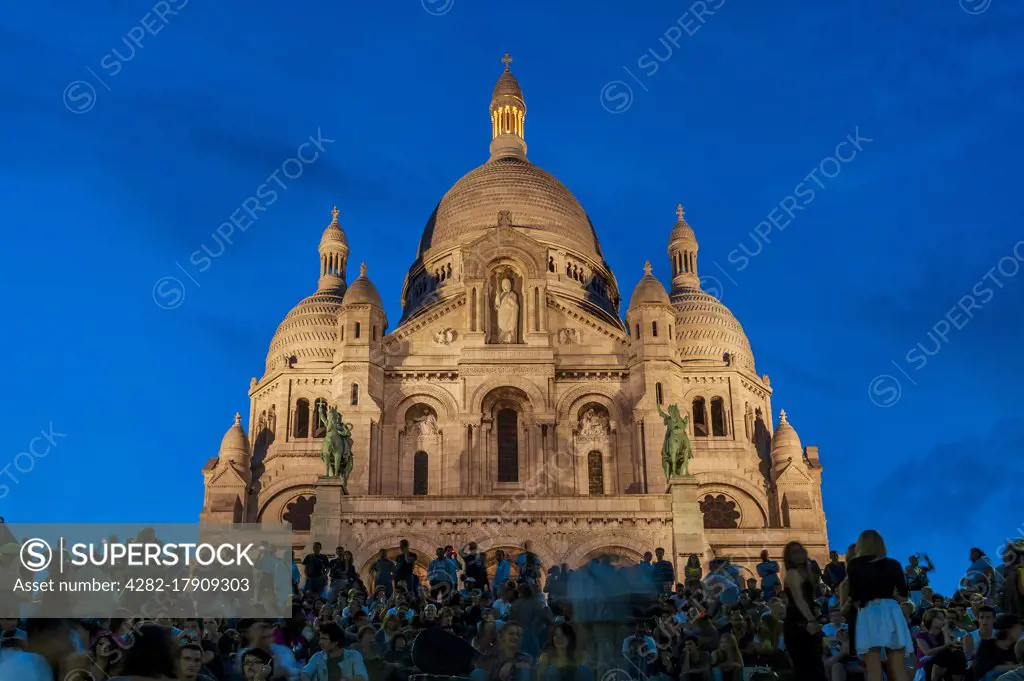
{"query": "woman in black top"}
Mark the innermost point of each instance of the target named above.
(800, 629)
(874, 584)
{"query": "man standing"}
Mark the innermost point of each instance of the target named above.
(917, 576)
(315, 564)
(502, 571)
(403, 568)
(835, 571)
(384, 573)
(664, 571)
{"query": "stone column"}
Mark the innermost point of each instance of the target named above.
(687, 521)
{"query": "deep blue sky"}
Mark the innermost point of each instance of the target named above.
(99, 205)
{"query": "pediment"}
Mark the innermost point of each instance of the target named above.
(227, 475)
(503, 242)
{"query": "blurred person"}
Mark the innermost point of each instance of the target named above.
(996, 656)
(801, 630)
(768, 571)
(696, 663)
(505, 661)
(43, 655)
(257, 665)
(561, 659)
(153, 655)
(334, 662)
(728, 660)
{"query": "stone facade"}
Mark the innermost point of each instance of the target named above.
(511, 403)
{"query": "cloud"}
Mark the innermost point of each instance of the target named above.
(960, 488)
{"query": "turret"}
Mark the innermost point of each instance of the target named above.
(508, 116)
(228, 477)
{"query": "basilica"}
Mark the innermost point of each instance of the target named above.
(512, 405)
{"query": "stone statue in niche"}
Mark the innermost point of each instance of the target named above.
(593, 425)
(506, 304)
(425, 424)
(421, 421)
(444, 336)
(505, 218)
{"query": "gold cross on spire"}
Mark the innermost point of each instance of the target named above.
(334, 213)
(506, 60)
(647, 267)
(679, 211)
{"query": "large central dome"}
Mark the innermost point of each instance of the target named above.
(541, 206)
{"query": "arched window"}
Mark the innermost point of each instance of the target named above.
(355, 394)
(419, 473)
(700, 418)
(657, 394)
(718, 428)
(357, 330)
(654, 329)
(595, 473)
(301, 427)
(373, 332)
(637, 330)
(320, 406)
(508, 446)
(719, 513)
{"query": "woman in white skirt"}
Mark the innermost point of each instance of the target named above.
(875, 583)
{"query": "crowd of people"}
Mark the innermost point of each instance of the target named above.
(499, 617)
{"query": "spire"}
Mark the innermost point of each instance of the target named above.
(782, 417)
(333, 256)
(238, 418)
(508, 116)
(682, 252)
(362, 269)
(647, 267)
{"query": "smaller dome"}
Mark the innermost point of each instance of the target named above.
(362, 291)
(507, 90)
(334, 234)
(235, 444)
(682, 231)
(785, 441)
(649, 290)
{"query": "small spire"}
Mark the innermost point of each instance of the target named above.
(507, 61)
(679, 211)
(238, 418)
(334, 216)
(647, 268)
(782, 417)
(362, 269)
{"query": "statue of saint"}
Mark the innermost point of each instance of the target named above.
(593, 424)
(506, 303)
(336, 450)
(676, 452)
(426, 424)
